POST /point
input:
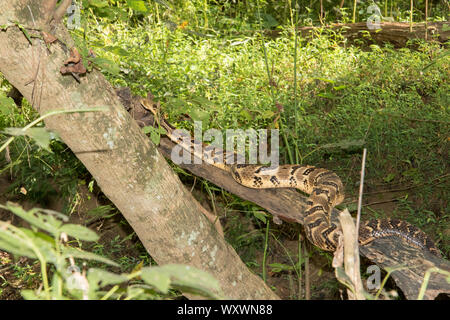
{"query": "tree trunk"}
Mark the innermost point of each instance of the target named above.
(125, 164)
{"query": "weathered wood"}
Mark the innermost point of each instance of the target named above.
(125, 164)
(414, 264)
(396, 33)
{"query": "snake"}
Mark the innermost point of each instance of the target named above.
(324, 187)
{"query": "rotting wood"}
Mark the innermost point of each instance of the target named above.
(395, 33)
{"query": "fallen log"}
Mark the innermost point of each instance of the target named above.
(395, 33)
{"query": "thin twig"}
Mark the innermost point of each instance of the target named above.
(419, 120)
(380, 202)
(403, 189)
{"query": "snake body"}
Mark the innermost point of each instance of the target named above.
(324, 187)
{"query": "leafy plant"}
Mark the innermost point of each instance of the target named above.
(46, 241)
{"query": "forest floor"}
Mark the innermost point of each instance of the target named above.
(119, 243)
(340, 100)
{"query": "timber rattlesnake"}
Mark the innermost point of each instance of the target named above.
(325, 191)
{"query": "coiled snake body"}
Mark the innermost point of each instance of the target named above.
(325, 191)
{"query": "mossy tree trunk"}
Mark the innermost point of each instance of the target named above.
(125, 164)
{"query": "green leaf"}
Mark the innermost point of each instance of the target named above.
(25, 32)
(245, 114)
(189, 277)
(260, 215)
(106, 65)
(14, 241)
(40, 135)
(117, 50)
(42, 219)
(79, 232)
(155, 133)
(102, 212)
(267, 114)
(77, 253)
(98, 278)
(7, 105)
(147, 129)
(339, 87)
(161, 130)
(137, 5)
(278, 267)
(155, 137)
(156, 277)
(184, 277)
(31, 295)
(199, 115)
(44, 244)
(389, 177)
(98, 3)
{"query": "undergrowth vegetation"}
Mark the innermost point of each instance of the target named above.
(213, 63)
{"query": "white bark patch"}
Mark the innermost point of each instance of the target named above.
(192, 237)
(109, 137)
(213, 256)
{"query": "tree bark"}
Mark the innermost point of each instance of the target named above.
(125, 164)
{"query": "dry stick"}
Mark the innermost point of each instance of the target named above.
(349, 255)
(352, 274)
(411, 17)
(361, 188)
(418, 120)
(401, 189)
(426, 20)
(321, 12)
(413, 186)
(384, 201)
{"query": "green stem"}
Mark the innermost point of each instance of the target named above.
(299, 273)
(51, 113)
(266, 245)
(295, 93)
(110, 292)
(426, 279)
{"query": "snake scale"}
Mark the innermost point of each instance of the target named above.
(324, 187)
